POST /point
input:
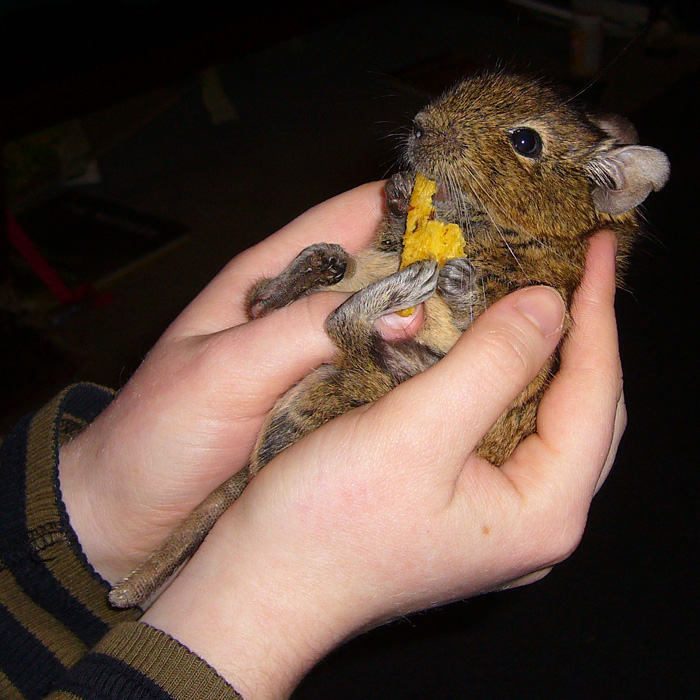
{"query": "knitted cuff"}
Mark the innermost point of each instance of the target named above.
(135, 660)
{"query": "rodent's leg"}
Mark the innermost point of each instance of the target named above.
(401, 290)
(316, 267)
(324, 265)
(457, 286)
(182, 542)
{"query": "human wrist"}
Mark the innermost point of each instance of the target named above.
(259, 621)
(79, 503)
(94, 509)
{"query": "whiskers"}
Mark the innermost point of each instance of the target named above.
(602, 72)
(488, 201)
(400, 160)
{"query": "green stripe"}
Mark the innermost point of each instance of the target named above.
(143, 647)
(67, 648)
(8, 690)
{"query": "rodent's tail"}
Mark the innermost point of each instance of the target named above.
(145, 580)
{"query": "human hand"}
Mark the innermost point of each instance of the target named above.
(386, 510)
(188, 418)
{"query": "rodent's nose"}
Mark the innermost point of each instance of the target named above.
(433, 139)
(418, 129)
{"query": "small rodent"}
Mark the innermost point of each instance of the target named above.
(528, 175)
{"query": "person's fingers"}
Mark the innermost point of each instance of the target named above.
(250, 366)
(191, 415)
(526, 580)
(576, 417)
(618, 431)
(475, 382)
(349, 219)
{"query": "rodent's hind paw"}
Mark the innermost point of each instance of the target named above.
(316, 267)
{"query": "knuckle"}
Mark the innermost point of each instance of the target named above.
(555, 532)
(565, 542)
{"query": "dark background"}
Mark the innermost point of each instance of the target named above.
(319, 96)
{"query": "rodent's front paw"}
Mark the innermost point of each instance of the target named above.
(398, 190)
(456, 277)
(406, 288)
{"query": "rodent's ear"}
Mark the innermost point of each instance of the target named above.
(618, 127)
(624, 177)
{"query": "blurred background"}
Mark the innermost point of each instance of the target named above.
(146, 143)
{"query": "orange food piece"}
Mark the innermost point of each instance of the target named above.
(426, 237)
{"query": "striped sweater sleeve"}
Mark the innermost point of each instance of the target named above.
(59, 637)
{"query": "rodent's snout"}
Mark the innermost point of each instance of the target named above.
(431, 143)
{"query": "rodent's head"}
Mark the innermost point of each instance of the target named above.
(516, 151)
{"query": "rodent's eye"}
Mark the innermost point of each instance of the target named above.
(526, 142)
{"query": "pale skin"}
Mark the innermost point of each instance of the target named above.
(367, 518)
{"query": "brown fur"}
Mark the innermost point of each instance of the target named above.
(526, 221)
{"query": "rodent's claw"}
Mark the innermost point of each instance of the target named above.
(323, 264)
(398, 193)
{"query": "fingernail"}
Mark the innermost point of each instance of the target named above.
(544, 307)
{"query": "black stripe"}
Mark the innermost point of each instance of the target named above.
(31, 667)
(85, 401)
(17, 553)
(37, 581)
(108, 678)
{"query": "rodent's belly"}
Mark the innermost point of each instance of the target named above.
(438, 332)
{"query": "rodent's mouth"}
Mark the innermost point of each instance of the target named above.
(443, 199)
(442, 194)
(451, 206)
